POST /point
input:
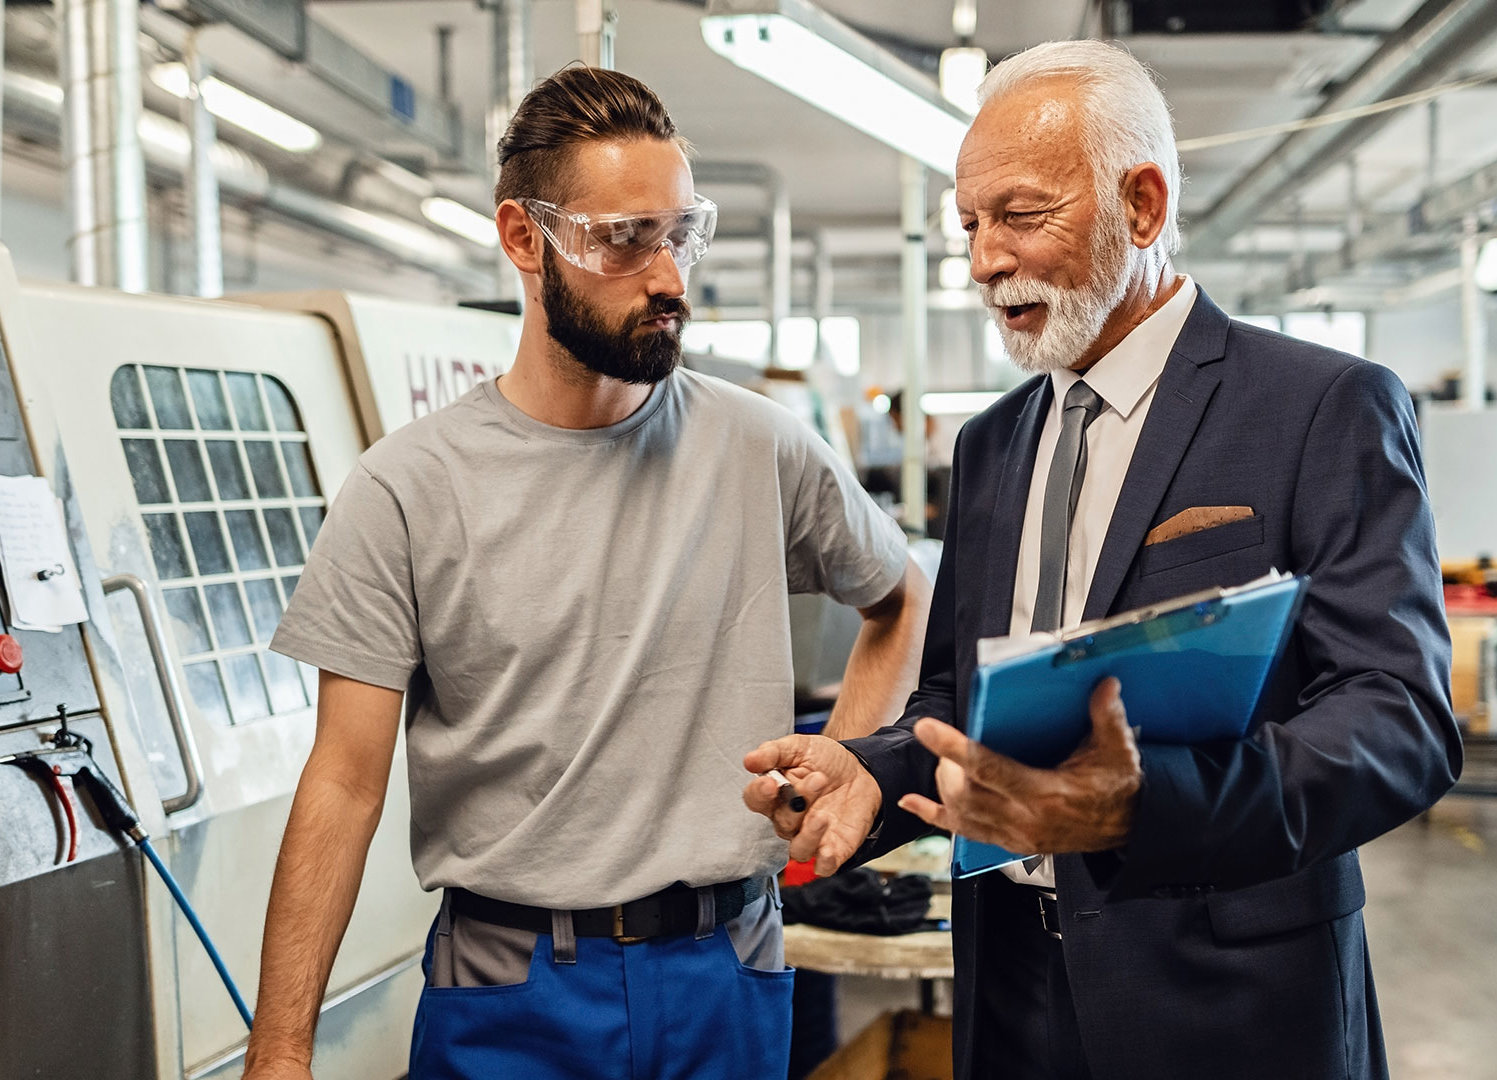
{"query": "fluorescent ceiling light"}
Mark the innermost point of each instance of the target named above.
(234, 106)
(457, 218)
(957, 403)
(802, 49)
(962, 71)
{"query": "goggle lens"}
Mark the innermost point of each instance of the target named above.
(618, 245)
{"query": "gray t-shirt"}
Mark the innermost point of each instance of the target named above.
(592, 628)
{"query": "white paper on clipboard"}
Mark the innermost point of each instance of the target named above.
(41, 580)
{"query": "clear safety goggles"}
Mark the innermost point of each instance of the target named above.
(617, 245)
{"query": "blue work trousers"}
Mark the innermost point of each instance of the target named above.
(660, 1009)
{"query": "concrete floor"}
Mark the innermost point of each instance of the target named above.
(1432, 928)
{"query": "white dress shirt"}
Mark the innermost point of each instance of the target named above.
(1125, 379)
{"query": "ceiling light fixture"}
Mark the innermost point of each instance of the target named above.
(457, 218)
(961, 72)
(234, 106)
(802, 49)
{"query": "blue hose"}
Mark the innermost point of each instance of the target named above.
(192, 918)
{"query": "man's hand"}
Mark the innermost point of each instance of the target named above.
(1083, 804)
(842, 799)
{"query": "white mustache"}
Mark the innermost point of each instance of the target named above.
(1011, 293)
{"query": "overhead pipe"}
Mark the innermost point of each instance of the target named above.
(166, 147)
(1432, 42)
(99, 62)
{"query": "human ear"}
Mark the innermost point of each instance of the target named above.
(1146, 199)
(521, 240)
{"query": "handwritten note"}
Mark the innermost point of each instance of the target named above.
(41, 580)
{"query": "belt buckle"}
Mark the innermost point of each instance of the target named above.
(618, 928)
(1045, 916)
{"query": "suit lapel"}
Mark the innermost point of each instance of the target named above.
(1185, 389)
(1007, 525)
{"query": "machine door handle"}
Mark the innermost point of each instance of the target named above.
(175, 710)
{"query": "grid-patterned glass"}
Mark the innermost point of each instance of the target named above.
(231, 504)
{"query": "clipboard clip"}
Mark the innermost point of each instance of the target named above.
(1148, 626)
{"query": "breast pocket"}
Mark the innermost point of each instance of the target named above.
(1199, 546)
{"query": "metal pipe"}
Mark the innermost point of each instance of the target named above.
(511, 65)
(1473, 319)
(913, 278)
(99, 58)
(1434, 40)
(166, 148)
(201, 179)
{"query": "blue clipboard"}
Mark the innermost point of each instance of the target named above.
(1192, 671)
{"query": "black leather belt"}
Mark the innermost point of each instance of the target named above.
(670, 912)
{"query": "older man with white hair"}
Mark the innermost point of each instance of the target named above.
(1197, 911)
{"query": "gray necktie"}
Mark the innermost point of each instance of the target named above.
(1063, 486)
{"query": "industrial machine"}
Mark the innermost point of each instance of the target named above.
(195, 446)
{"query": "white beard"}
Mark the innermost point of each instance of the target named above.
(1073, 316)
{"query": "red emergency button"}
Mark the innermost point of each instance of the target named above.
(10, 654)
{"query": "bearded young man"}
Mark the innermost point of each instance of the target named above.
(1197, 911)
(578, 577)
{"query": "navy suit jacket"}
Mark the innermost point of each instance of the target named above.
(1225, 939)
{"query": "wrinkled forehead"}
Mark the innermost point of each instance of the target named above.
(628, 177)
(1032, 135)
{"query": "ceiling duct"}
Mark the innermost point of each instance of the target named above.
(1434, 40)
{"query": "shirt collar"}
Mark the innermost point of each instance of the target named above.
(1126, 373)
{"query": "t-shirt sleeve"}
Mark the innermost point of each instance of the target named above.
(354, 609)
(838, 541)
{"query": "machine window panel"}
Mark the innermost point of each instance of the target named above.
(227, 612)
(311, 522)
(249, 546)
(207, 692)
(187, 470)
(265, 606)
(208, 543)
(288, 583)
(299, 469)
(169, 399)
(283, 539)
(144, 462)
(286, 692)
(128, 402)
(263, 467)
(282, 408)
(167, 550)
(186, 616)
(244, 391)
(227, 469)
(309, 679)
(247, 697)
(208, 400)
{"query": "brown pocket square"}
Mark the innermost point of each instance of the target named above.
(1194, 520)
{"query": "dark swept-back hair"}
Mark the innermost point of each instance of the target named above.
(576, 105)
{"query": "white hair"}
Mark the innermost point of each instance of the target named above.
(1126, 120)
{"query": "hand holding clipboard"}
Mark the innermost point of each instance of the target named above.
(1192, 670)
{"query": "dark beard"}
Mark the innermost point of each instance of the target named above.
(612, 351)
